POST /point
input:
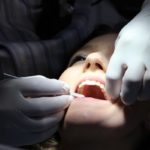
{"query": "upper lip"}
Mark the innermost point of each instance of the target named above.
(92, 78)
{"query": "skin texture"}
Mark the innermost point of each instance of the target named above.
(95, 123)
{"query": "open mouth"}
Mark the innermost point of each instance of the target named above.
(91, 88)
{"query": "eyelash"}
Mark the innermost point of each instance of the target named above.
(76, 59)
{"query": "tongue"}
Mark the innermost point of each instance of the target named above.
(91, 91)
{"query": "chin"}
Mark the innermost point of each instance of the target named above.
(92, 123)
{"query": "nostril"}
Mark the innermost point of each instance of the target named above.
(88, 65)
(99, 66)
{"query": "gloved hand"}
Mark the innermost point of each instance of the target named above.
(31, 109)
(128, 73)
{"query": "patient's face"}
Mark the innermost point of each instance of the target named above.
(88, 66)
(96, 115)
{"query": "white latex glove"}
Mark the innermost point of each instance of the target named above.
(31, 109)
(128, 73)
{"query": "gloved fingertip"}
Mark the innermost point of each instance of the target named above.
(70, 99)
(113, 89)
(66, 87)
(112, 96)
(127, 101)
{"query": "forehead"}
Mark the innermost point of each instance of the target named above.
(102, 44)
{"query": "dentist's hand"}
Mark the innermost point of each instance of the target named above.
(128, 73)
(31, 109)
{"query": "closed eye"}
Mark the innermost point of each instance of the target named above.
(76, 59)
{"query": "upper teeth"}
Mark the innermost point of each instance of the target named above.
(91, 82)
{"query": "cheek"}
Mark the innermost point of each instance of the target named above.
(72, 76)
(94, 112)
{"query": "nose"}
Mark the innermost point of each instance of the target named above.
(93, 62)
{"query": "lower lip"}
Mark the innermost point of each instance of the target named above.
(91, 99)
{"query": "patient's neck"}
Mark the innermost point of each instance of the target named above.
(129, 142)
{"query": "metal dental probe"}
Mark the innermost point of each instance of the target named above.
(75, 95)
(6, 75)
